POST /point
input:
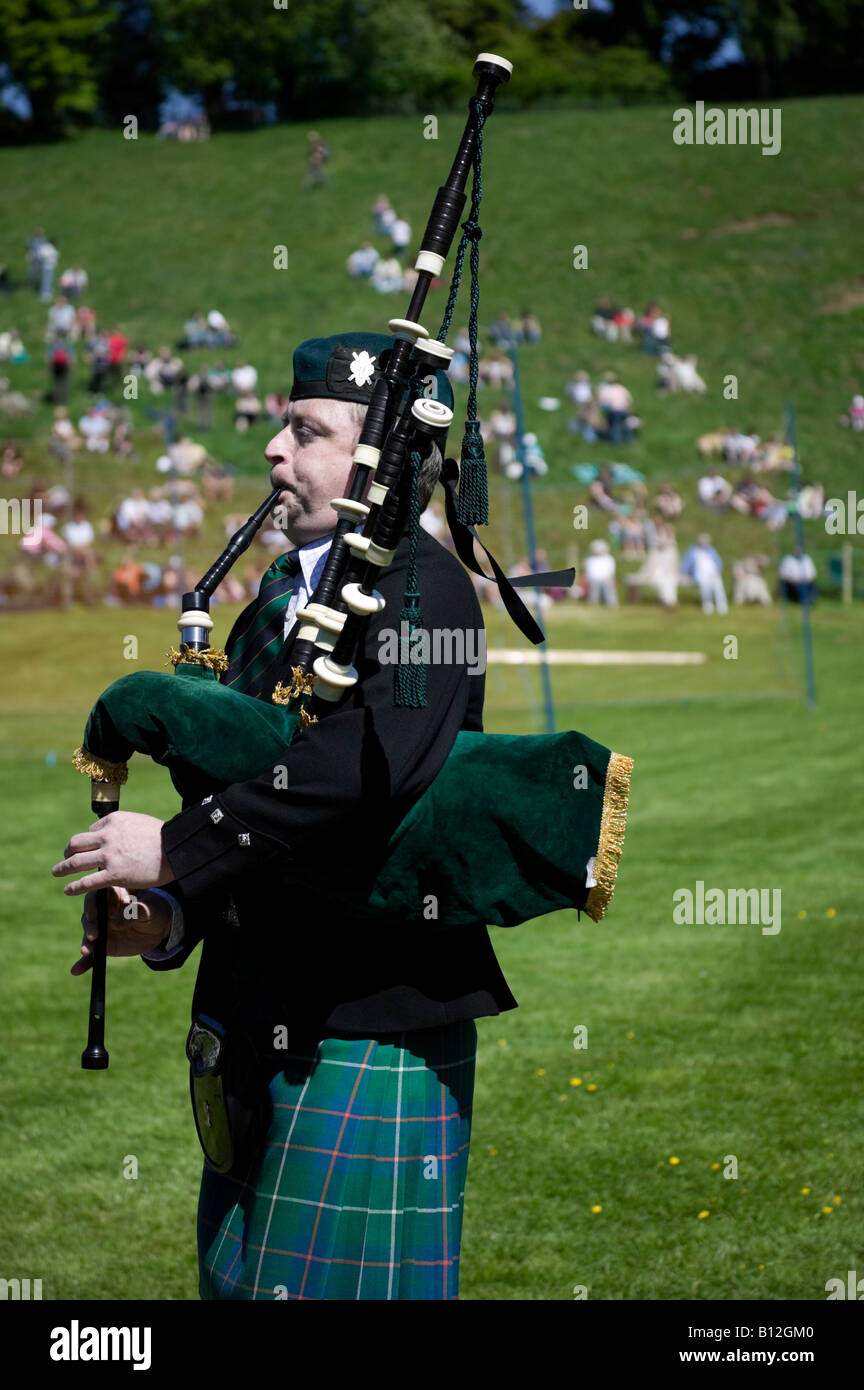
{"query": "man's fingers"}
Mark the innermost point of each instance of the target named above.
(77, 863)
(86, 840)
(82, 965)
(87, 885)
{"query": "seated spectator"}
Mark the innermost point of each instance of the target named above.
(139, 360)
(502, 421)
(659, 570)
(276, 403)
(95, 426)
(164, 371)
(363, 261)
(668, 502)
(160, 516)
(502, 333)
(195, 331)
(797, 577)
(744, 496)
(218, 322)
(383, 215)
(811, 501)
(496, 371)
(854, 419)
(79, 534)
(121, 444)
(244, 379)
(74, 282)
(186, 456)
(600, 497)
(750, 586)
(533, 455)
(188, 515)
(387, 275)
(739, 447)
(133, 518)
(217, 481)
(127, 580)
(714, 491)
(64, 437)
(400, 233)
(600, 574)
(579, 389)
(247, 408)
(11, 461)
(769, 509)
(602, 317)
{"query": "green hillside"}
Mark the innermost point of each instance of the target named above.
(755, 257)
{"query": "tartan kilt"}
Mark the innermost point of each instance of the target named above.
(359, 1190)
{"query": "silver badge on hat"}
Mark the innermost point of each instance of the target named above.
(362, 368)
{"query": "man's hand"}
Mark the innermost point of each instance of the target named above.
(124, 849)
(136, 924)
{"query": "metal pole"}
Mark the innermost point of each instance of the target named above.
(806, 631)
(530, 533)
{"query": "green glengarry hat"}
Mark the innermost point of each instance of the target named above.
(346, 366)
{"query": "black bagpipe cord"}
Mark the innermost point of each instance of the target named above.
(473, 496)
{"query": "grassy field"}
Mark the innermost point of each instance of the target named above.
(703, 1042)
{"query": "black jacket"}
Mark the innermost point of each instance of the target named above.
(274, 951)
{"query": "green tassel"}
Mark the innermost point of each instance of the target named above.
(473, 496)
(409, 678)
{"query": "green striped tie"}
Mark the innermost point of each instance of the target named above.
(256, 638)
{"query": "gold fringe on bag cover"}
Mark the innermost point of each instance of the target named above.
(300, 684)
(613, 822)
(213, 657)
(99, 769)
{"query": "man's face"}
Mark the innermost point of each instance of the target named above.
(310, 460)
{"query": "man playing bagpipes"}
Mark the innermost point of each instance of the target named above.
(340, 871)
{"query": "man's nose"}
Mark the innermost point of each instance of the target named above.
(279, 448)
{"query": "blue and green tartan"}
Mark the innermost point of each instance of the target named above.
(359, 1192)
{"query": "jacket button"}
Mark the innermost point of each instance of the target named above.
(216, 816)
(244, 839)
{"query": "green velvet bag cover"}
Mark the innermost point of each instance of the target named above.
(503, 834)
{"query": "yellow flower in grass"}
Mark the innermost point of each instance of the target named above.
(715, 1167)
(805, 1191)
(832, 912)
(575, 1080)
(591, 1086)
(674, 1162)
(502, 1042)
(540, 1072)
(596, 1210)
(493, 1152)
(801, 916)
(828, 1210)
(631, 1035)
(703, 1214)
(836, 1201)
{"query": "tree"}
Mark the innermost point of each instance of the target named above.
(48, 49)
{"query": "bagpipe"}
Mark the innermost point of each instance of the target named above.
(549, 833)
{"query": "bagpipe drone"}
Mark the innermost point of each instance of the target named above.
(534, 836)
